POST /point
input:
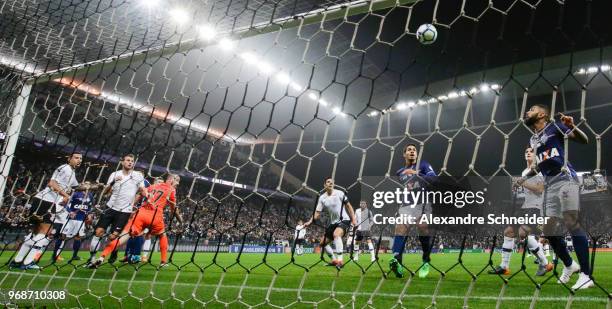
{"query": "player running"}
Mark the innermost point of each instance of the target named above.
(364, 223)
(413, 178)
(534, 187)
(122, 185)
(341, 217)
(300, 234)
(45, 205)
(561, 192)
(150, 216)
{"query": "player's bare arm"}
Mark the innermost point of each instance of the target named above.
(576, 134)
(351, 212)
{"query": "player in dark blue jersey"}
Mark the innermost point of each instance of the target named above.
(413, 178)
(561, 189)
(78, 208)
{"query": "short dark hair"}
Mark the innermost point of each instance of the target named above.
(328, 178)
(74, 153)
(543, 107)
(128, 155)
(408, 145)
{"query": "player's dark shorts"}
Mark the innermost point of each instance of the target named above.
(329, 231)
(361, 235)
(115, 218)
(300, 241)
(40, 212)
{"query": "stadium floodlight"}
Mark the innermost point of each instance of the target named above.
(411, 104)
(265, 68)
(179, 16)
(227, 44)
(296, 87)
(313, 95)
(453, 94)
(249, 57)
(323, 102)
(336, 110)
(484, 87)
(494, 86)
(206, 32)
(605, 68)
(592, 70)
(149, 3)
(373, 113)
(401, 106)
(283, 78)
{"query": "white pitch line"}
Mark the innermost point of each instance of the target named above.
(314, 291)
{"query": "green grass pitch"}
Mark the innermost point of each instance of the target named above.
(222, 282)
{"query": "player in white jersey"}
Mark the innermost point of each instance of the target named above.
(122, 185)
(364, 219)
(341, 217)
(46, 209)
(533, 188)
(299, 237)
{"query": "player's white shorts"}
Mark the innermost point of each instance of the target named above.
(73, 228)
(561, 196)
(417, 211)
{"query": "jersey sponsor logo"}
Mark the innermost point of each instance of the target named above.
(547, 154)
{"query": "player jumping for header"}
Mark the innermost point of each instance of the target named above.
(561, 189)
(413, 178)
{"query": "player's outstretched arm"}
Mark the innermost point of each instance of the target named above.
(576, 134)
(351, 212)
(537, 188)
(315, 217)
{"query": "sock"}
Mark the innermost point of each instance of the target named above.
(146, 246)
(329, 251)
(581, 246)
(163, 247)
(372, 252)
(426, 246)
(26, 247)
(339, 248)
(399, 242)
(76, 246)
(535, 248)
(110, 248)
(59, 246)
(560, 248)
(137, 245)
(507, 249)
(40, 244)
(129, 247)
(93, 247)
(356, 249)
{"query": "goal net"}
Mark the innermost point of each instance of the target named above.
(255, 103)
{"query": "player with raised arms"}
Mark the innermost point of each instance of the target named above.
(341, 217)
(122, 185)
(534, 187)
(150, 216)
(413, 178)
(365, 220)
(561, 190)
(46, 204)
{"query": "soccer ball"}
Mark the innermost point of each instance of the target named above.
(427, 34)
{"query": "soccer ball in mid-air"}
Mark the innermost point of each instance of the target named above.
(427, 34)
